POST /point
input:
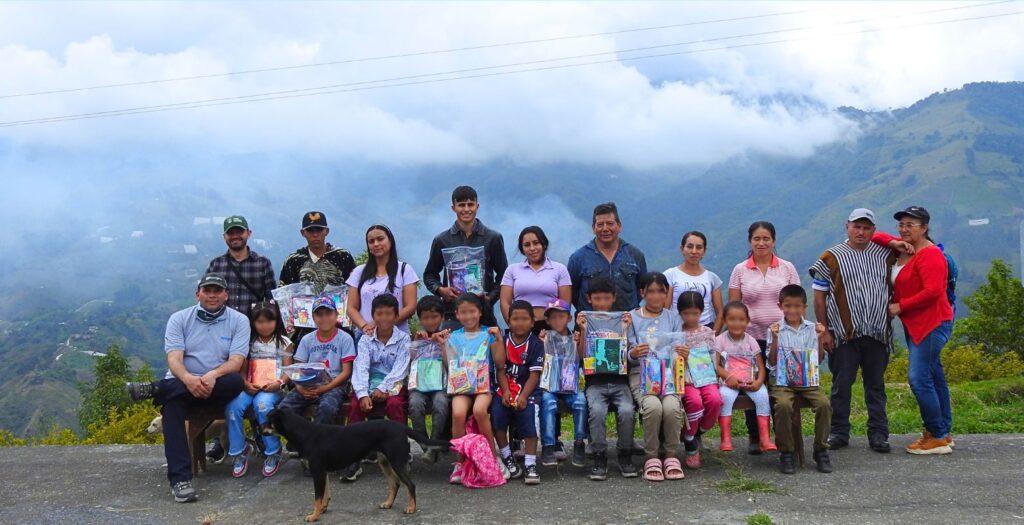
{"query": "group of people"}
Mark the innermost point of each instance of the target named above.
(858, 287)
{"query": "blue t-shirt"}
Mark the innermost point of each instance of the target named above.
(206, 345)
(331, 352)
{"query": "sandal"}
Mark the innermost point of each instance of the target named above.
(653, 470)
(673, 469)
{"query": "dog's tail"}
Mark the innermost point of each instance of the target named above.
(423, 439)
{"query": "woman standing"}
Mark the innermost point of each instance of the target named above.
(691, 275)
(537, 280)
(919, 300)
(756, 283)
(382, 273)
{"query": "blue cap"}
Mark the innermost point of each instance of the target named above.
(324, 301)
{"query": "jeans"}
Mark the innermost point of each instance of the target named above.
(871, 357)
(549, 415)
(599, 399)
(327, 405)
(928, 380)
(440, 410)
(175, 401)
(234, 415)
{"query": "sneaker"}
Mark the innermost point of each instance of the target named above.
(183, 492)
(880, 445)
(548, 458)
(599, 472)
(456, 477)
(290, 449)
(929, 445)
(579, 454)
(693, 459)
(560, 452)
(241, 463)
(216, 454)
(140, 391)
(514, 470)
(626, 465)
(786, 465)
(352, 472)
(824, 462)
(430, 455)
(754, 448)
(836, 443)
(371, 459)
(949, 441)
(532, 477)
(271, 464)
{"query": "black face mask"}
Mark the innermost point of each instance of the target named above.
(207, 316)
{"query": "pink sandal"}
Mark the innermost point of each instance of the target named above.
(653, 470)
(673, 469)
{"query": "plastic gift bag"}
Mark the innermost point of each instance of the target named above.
(426, 372)
(604, 343)
(339, 292)
(797, 367)
(307, 375)
(284, 295)
(469, 363)
(740, 362)
(561, 364)
(700, 365)
(662, 371)
(464, 266)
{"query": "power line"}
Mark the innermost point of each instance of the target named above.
(383, 83)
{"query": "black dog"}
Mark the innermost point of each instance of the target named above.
(331, 447)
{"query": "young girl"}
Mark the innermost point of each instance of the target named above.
(659, 415)
(740, 367)
(469, 340)
(691, 275)
(269, 349)
(703, 404)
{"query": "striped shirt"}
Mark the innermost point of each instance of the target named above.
(760, 291)
(858, 291)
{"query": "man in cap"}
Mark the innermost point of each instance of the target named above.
(206, 345)
(249, 275)
(318, 261)
(851, 297)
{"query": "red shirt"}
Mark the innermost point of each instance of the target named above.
(920, 290)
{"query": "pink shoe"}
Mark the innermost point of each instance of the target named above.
(456, 477)
(693, 460)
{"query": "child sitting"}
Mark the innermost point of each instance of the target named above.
(557, 316)
(797, 333)
(703, 404)
(430, 312)
(740, 367)
(524, 360)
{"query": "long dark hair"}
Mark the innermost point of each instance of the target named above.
(541, 237)
(759, 225)
(266, 310)
(392, 265)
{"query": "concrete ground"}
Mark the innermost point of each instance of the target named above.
(982, 482)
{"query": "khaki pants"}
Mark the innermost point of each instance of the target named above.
(660, 417)
(784, 398)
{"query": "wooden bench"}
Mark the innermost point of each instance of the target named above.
(745, 403)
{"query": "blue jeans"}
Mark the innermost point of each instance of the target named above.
(327, 405)
(262, 403)
(549, 415)
(928, 380)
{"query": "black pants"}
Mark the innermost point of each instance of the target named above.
(750, 415)
(177, 401)
(871, 357)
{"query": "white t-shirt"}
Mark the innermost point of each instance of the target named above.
(704, 284)
(896, 269)
(379, 285)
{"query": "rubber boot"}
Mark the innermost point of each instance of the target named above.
(725, 425)
(764, 431)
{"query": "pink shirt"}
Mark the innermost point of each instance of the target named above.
(761, 291)
(537, 287)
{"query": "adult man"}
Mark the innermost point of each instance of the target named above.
(851, 297)
(467, 231)
(206, 345)
(609, 256)
(318, 261)
(249, 275)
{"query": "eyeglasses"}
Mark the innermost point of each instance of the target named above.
(907, 225)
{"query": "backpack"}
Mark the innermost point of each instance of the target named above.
(951, 274)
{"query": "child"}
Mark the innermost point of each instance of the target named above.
(469, 309)
(524, 360)
(795, 332)
(660, 416)
(268, 346)
(739, 358)
(703, 404)
(557, 316)
(430, 312)
(607, 390)
(382, 363)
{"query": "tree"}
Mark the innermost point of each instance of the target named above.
(107, 391)
(996, 321)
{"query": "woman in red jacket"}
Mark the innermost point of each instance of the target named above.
(919, 300)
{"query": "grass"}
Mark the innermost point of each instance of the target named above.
(738, 481)
(759, 518)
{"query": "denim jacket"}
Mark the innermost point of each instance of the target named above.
(624, 271)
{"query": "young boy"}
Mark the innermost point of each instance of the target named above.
(430, 312)
(604, 391)
(796, 332)
(557, 316)
(524, 362)
(467, 231)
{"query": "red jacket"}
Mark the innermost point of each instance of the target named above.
(920, 290)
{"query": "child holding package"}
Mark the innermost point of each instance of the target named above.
(660, 415)
(607, 391)
(740, 367)
(524, 361)
(430, 312)
(557, 315)
(797, 333)
(701, 399)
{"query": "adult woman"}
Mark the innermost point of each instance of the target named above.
(756, 283)
(919, 300)
(537, 280)
(691, 275)
(382, 273)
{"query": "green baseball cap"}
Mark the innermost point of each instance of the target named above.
(235, 221)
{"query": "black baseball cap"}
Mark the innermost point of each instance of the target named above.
(314, 219)
(212, 279)
(916, 212)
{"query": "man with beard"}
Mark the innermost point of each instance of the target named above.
(249, 275)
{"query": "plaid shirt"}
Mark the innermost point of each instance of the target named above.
(255, 269)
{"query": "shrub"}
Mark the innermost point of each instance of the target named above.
(963, 363)
(58, 436)
(8, 439)
(127, 427)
